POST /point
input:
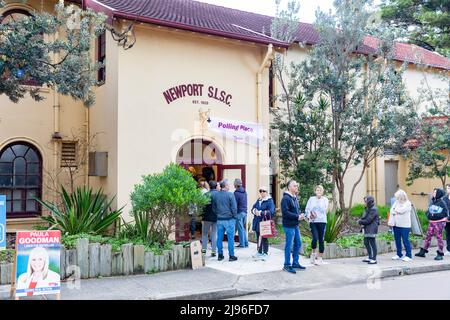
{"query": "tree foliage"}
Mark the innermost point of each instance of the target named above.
(369, 109)
(427, 21)
(50, 49)
(300, 131)
(162, 199)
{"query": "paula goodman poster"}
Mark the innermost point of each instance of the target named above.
(2, 222)
(38, 263)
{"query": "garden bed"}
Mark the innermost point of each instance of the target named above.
(85, 259)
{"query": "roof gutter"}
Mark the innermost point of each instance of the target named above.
(176, 25)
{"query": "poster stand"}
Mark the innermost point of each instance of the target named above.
(196, 255)
(12, 293)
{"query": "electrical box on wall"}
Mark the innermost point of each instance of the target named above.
(98, 164)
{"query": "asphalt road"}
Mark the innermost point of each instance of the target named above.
(430, 286)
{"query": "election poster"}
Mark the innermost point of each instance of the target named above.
(2, 222)
(37, 267)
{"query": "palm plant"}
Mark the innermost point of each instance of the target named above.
(335, 223)
(81, 211)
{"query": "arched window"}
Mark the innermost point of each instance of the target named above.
(13, 15)
(21, 179)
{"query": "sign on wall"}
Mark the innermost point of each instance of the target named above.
(238, 130)
(200, 93)
(2, 222)
(37, 266)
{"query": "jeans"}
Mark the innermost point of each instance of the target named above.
(228, 227)
(193, 226)
(206, 226)
(318, 233)
(240, 224)
(399, 235)
(371, 246)
(263, 246)
(292, 238)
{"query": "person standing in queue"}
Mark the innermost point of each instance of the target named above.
(447, 225)
(209, 223)
(241, 199)
(370, 221)
(224, 205)
(263, 209)
(316, 212)
(437, 215)
(291, 217)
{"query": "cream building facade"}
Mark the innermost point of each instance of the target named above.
(193, 66)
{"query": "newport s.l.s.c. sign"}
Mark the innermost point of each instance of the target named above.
(199, 91)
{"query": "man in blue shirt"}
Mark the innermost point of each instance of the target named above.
(224, 205)
(291, 216)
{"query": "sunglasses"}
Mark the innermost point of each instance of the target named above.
(262, 191)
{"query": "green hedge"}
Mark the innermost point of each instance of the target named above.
(358, 209)
(357, 240)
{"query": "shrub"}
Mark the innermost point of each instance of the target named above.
(335, 223)
(358, 209)
(7, 256)
(160, 200)
(423, 220)
(69, 242)
(82, 211)
(356, 240)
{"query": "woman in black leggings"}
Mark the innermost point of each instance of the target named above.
(316, 212)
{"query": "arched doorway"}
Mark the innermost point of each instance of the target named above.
(201, 158)
(204, 160)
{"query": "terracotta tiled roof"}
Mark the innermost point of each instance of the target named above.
(236, 24)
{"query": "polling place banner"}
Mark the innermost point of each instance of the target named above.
(2, 222)
(38, 263)
(238, 130)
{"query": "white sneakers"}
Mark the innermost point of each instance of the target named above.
(447, 253)
(260, 256)
(406, 259)
(257, 255)
(318, 261)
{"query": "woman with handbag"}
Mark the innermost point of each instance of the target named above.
(316, 213)
(263, 209)
(400, 221)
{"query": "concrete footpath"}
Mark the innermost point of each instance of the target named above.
(224, 279)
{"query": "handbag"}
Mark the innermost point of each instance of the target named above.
(391, 220)
(267, 228)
